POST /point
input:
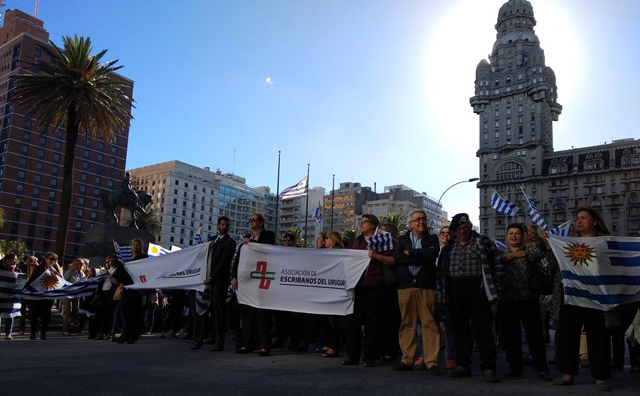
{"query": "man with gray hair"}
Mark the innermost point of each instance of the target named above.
(415, 254)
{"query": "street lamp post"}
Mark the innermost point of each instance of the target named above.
(453, 185)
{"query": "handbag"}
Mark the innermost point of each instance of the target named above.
(541, 281)
(117, 296)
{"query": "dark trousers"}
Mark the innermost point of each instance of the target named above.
(389, 345)
(256, 321)
(528, 313)
(131, 315)
(197, 320)
(570, 323)
(470, 308)
(40, 316)
(219, 313)
(104, 315)
(366, 312)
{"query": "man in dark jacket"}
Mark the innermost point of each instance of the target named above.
(416, 253)
(219, 276)
(254, 320)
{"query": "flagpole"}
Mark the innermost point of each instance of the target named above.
(306, 198)
(333, 189)
(277, 198)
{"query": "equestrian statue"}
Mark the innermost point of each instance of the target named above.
(127, 198)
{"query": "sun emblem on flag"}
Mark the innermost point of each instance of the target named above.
(49, 281)
(579, 253)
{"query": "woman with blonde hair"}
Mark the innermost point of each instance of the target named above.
(74, 273)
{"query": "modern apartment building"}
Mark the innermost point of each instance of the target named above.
(186, 197)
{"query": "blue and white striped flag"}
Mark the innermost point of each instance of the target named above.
(10, 285)
(156, 250)
(562, 229)
(502, 204)
(317, 213)
(203, 300)
(51, 286)
(198, 239)
(500, 245)
(534, 213)
(599, 272)
(298, 190)
(123, 252)
(380, 241)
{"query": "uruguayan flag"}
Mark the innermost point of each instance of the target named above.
(500, 245)
(502, 204)
(562, 229)
(198, 239)
(123, 252)
(10, 285)
(203, 301)
(298, 190)
(599, 272)
(156, 250)
(534, 213)
(51, 286)
(317, 213)
(380, 241)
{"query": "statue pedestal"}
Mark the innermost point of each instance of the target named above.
(98, 241)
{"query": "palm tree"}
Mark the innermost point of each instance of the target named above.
(398, 219)
(297, 235)
(147, 221)
(76, 90)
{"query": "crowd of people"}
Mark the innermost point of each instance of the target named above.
(455, 291)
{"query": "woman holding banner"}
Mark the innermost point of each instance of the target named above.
(589, 224)
(369, 296)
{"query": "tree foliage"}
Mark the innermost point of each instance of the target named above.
(17, 246)
(147, 221)
(398, 219)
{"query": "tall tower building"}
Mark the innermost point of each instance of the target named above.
(31, 160)
(516, 101)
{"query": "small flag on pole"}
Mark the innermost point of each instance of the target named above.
(156, 250)
(198, 238)
(562, 229)
(500, 245)
(123, 252)
(317, 213)
(534, 213)
(298, 190)
(380, 242)
(502, 204)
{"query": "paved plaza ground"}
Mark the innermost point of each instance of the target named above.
(155, 366)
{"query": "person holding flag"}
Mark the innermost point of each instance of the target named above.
(41, 309)
(369, 293)
(589, 224)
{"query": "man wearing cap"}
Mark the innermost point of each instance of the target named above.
(470, 266)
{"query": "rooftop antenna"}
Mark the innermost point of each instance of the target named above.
(35, 8)
(233, 169)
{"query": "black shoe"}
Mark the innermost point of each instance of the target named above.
(513, 373)
(544, 375)
(264, 352)
(348, 362)
(490, 376)
(368, 363)
(403, 367)
(434, 370)
(243, 350)
(196, 346)
(460, 372)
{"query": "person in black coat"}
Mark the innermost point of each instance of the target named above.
(253, 318)
(131, 299)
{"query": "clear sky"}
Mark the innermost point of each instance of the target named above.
(371, 91)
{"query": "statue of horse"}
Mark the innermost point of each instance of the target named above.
(111, 199)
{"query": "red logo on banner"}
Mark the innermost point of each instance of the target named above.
(262, 274)
(143, 278)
